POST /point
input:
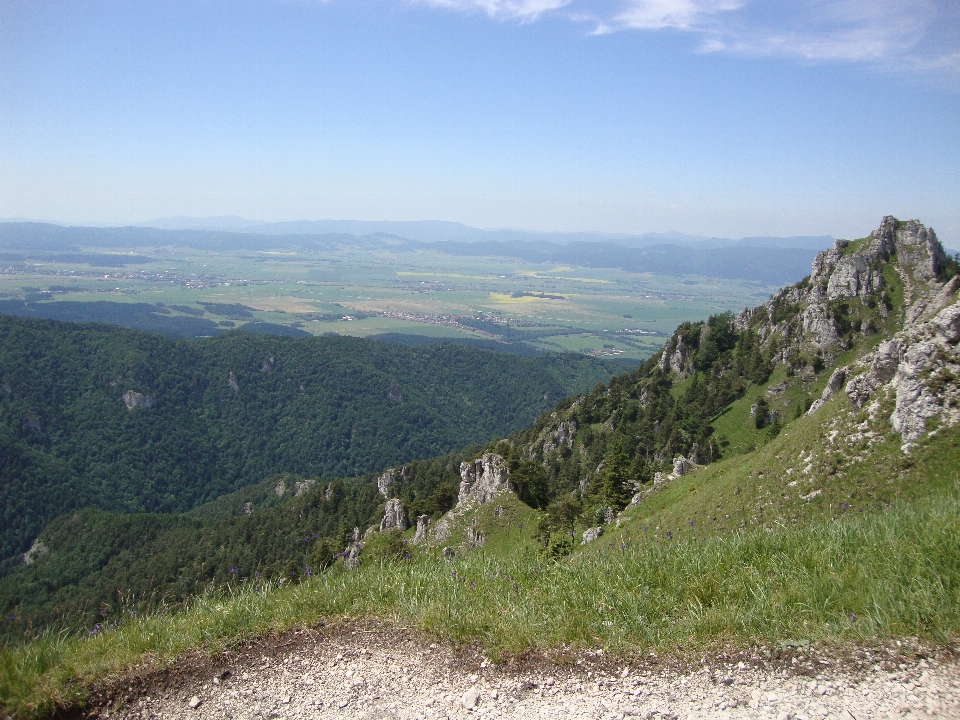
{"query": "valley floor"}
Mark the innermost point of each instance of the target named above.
(370, 672)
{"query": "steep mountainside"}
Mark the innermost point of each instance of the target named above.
(837, 396)
(98, 416)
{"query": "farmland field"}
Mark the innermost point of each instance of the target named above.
(369, 292)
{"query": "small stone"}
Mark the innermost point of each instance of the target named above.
(194, 702)
(470, 698)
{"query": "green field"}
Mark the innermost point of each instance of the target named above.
(362, 292)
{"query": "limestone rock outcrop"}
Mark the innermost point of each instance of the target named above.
(563, 437)
(676, 357)
(591, 534)
(134, 400)
(483, 479)
(394, 516)
(885, 361)
(423, 524)
(834, 385)
(681, 466)
(385, 483)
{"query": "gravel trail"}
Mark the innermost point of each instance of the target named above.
(374, 674)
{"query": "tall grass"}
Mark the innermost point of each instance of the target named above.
(891, 574)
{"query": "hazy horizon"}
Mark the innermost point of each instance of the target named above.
(728, 119)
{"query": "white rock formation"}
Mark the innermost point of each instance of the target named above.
(134, 400)
(591, 534)
(385, 483)
(483, 479)
(423, 524)
(834, 385)
(394, 516)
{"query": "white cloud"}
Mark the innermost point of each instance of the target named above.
(908, 34)
(502, 9)
(678, 14)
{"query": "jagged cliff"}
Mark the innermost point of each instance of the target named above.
(877, 321)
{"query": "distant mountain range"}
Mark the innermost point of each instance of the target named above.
(767, 260)
(430, 231)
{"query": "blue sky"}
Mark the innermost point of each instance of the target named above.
(717, 117)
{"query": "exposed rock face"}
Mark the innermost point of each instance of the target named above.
(591, 534)
(475, 537)
(676, 357)
(564, 436)
(442, 530)
(385, 483)
(394, 516)
(248, 508)
(328, 493)
(681, 466)
(35, 551)
(947, 324)
(423, 524)
(483, 479)
(834, 385)
(232, 382)
(608, 515)
(886, 359)
(915, 245)
(301, 486)
(352, 559)
(915, 403)
(280, 488)
(134, 400)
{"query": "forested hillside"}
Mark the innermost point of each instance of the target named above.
(99, 416)
(729, 389)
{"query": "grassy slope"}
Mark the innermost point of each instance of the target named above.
(895, 572)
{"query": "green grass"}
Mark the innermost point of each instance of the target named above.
(866, 578)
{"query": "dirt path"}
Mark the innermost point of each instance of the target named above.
(359, 673)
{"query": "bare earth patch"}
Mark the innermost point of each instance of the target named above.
(366, 671)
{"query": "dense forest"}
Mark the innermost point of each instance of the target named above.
(578, 462)
(103, 417)
(290, 525)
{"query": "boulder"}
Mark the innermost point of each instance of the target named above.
(483, 479)
(591, 534)
(681, 466)
(394, 516)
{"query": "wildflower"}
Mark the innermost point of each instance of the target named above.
(691, 523)
(473, 585)
(853, 617)
(234, 570)
(844, 506)
(669, 534)
(309, 571)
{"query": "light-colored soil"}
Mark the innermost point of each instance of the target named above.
(360, 673)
